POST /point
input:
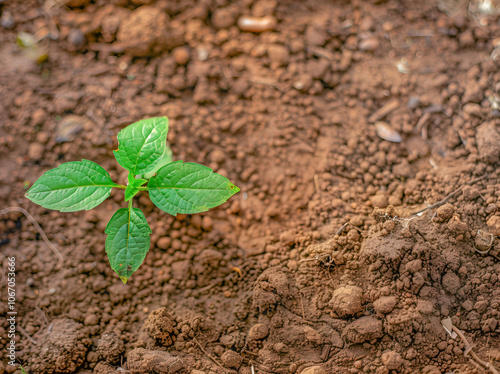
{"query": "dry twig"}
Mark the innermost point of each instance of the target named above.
(450, 195)
(468, 349)
(207, 354)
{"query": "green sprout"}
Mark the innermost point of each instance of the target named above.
(174, 187)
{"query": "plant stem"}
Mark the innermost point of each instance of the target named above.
(121, 186)
(143, 188)
(130, 204)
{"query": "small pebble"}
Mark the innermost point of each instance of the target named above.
(257, 24)
(370, 44)
(313, 370)
(386, 132)
(7, 20)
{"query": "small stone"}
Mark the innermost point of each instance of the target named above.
(258, 332)
(451, 282)
(392, 360)
(35, 151)
(257, 24)
(369, 44)
(71, 126)
(347, 301)
(7, 20)
(231, 359)
(313, 370)
(385, 304)
(303, 83)
(164, 242)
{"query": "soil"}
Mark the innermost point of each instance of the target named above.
(338, 121)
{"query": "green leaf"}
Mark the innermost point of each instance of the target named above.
(166, 159)
(128, 241)
(73, 186)
(142, 144)
(132, 188)
(189, 188)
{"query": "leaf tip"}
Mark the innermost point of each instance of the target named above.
(124, 279)
(234, 189)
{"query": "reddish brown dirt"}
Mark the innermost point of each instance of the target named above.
(318, 265)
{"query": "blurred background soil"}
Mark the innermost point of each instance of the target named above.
(339, 120)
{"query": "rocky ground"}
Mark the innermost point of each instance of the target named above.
(338, 120)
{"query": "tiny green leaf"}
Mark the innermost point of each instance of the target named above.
(142, 144)
(128, 241)
(189, 188)
(132, 188)
(73, 186)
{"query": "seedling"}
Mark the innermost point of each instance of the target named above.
(174, 187)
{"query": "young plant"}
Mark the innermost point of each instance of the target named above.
(174, 187)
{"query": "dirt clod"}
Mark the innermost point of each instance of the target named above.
(451, 282)
(110, 347)
(363, 329)
(231, 359)
(392, 360)
(488, 142)
(146, 31)
(385, 304)
(160, 326)
(63, 350)
(258, 332)
(142, 360)
(347, 301)
(494, 225)
(445, 212)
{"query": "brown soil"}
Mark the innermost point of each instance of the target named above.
(318, 265)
